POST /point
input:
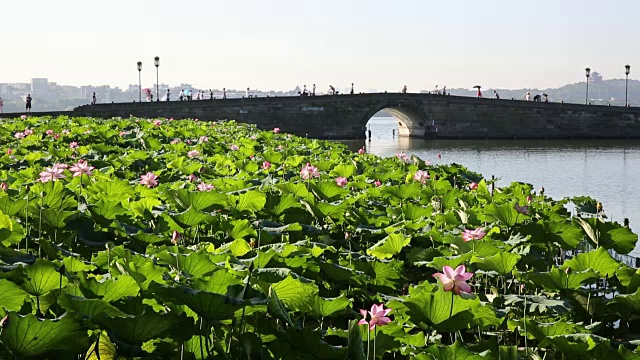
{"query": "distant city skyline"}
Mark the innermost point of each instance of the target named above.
(279, 44)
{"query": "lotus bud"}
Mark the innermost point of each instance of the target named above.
(252, 243)
(567, 270)
(4, 186)
(529, 199)
(347, 236)
(175, 238)
(542, 190)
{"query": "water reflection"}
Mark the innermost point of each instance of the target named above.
(604, 170)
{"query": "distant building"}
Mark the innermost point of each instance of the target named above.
(39, 87)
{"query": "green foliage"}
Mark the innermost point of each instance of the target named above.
(238, 262)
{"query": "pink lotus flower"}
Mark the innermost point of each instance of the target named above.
(196, 120)
(253, 137)
(439, 156)
(308, 171)
(122, 133)
(56, 136)
(205, 187)
(473, 186)
(361, 151)
(280, 147)
(66, 132)
(477, 234)
(188, 142)
(51, 174)
(28, 132)
(341, 181)
(276, 130)
(73, 144)
(171, 119)
(9, 151)
(49, 132)
(81, 168)
(149, 180)
(204, 139)
(19, 135)
(192, 178)
(193, 153)
(234, 147)
(421, 176)
(23, 117)
(403, 157)
(4, 186)
(252, 157)
(175, 141)
(61, 166)
(524, 209)
(455, 280)
(378, 316)
(529, 199)
(175, 238)
(266, 165)
(157, 122)
(377, 183)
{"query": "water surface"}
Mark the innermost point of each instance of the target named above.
(606, 170)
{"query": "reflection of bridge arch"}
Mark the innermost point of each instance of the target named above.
(412, 122)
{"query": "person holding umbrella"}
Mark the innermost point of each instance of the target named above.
(479, 92)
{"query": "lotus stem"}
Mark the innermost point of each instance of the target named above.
(375, 334)
(526, 346)
(368, 341)
(451, 335)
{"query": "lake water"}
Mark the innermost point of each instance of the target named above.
(604, 170)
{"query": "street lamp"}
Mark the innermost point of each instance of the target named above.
(140, 81)
(587, 73)
(156, 61)
(627, 69)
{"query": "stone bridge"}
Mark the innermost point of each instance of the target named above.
(418, 115)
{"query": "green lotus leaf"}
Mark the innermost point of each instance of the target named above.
(433, 309)
(112, 290)
(356, 346)
(56, 218)
(403, 192)
(42, 277)
(199, 200)
(73, 265)
(629, 301)
(211, 306)
(343, 170)
(295, 294)
(456, 351)
(251, 201)
(503, 263)
(219, 282)
(598, 260)
(329, 190)
(88, 307)
(323, 307)
(557, 279)
(11, 296)
(105, 349)
(608, 235)
(146, 326)
(191, 217)
(505, 213)
(389, 246)
(10, 206)
(577, 346)
(27, 336)
(196, 264)
(276, 308)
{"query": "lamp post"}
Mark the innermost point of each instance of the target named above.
(587, 73)
(140, 81)
(627, 70)
(156, 61)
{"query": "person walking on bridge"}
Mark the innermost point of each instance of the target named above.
(28, 105)
(527, 96)
(1, 105)
(181, 95)
(351, 88)
(210, 94)
(404, 89)
(495, 95)
(93, 99)
(168, 95)
(313, 93)
(224, 93)
(332, 90)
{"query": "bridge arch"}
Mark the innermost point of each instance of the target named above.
(412, 121)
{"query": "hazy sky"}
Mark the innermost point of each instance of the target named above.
(280, 44)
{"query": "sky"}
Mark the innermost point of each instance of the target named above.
(269, 44)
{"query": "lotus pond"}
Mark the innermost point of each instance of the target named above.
(160, 239)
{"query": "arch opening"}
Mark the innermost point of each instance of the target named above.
(407, 122)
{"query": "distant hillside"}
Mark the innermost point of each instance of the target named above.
(602, 92)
